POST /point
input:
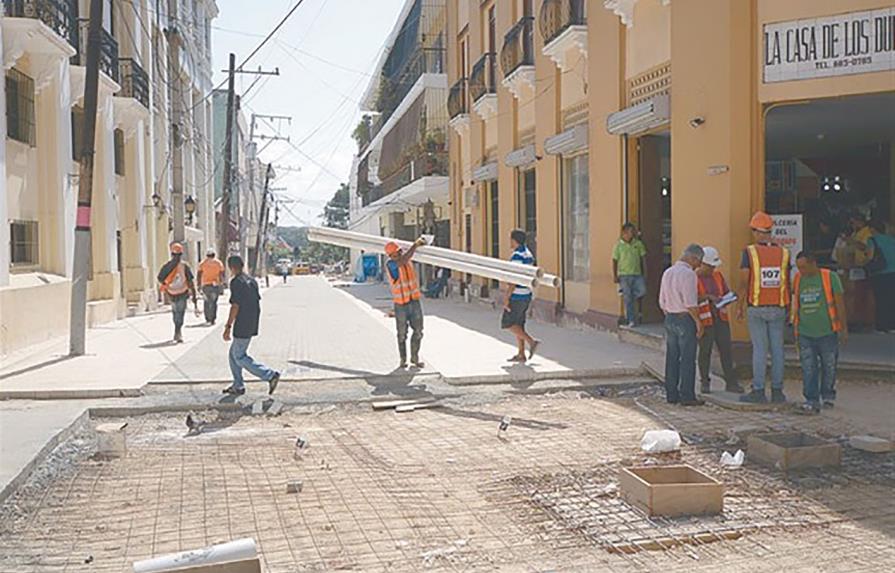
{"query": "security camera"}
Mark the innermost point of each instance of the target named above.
(697, 121)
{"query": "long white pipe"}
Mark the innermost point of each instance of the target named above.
(461, 266)
(238, 550)
(481, 260)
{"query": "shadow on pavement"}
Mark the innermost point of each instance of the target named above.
(157, 345)
(486, 417)
(37, 366)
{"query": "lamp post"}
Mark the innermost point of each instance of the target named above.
(189, 206)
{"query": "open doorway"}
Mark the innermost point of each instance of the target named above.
(654, 209)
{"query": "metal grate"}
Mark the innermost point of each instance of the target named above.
(20, 107)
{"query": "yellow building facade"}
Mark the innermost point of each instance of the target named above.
(570, 117)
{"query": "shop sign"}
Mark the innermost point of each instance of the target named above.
(852, 43)
(788, 232)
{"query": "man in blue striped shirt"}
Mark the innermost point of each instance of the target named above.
(517, 301)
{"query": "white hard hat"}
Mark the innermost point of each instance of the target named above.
(711, 257)
(209, 252)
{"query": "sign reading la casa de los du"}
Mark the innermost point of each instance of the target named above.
(852, 43)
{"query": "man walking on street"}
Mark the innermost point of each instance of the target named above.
(242, 325)
(176, 280)
(764, 276)
(678, 300)
(629, 270)
(820, 326)
(406, 296)
(716, 326)
(518, 299)
(210, 279)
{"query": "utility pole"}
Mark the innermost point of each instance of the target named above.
(224, 246)
(81, 270)
(175, 42)
(262, 222)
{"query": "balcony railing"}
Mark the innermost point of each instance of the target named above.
(108, 51)
(483, 79)
(518, 47)
(424, 165)
(557, 16)
(457, 100)
(134, 81)
(59, 15)
(394, 89)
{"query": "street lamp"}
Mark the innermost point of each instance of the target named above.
(190, 206)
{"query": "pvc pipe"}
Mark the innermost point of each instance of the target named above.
(481, 260)
(549, 280)
(239, 550)
(461, 266)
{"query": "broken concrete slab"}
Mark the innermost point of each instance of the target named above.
(258, 408)
(294, 486)
(791, 450)
(871, 444)
(275, 408)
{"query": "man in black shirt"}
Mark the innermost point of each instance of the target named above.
(245, 310)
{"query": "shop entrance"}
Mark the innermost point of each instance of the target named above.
(832, 162)
(654, 215)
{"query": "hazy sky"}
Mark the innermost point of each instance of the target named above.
(325, 53)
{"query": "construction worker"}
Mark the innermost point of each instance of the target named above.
(406, 296)
(764, 296)
(210, 279)
(517, 301)
(711, 288)
(176, 280)
(820, 326)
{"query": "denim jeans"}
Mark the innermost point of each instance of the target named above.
(633, 288)
(409, 314)
(178, 309)
(766, 324)
(716, 335)
(210, 293)
(680, 357)
(240, 359)
(818, 357)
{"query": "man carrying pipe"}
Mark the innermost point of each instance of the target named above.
(406, 296)
(518, 299)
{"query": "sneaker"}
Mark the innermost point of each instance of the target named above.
(273, 382)
(734, 387)
(705, 387)
(631, 324)
(517, 358)
(829, 404)
(778, 397)
(418, 363)
(234, 391)
(402, 365)
(531, 350)
(754, 397)
(809, 408)
(693, 402)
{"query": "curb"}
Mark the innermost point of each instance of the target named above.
(71, 394)
(347, 377)
(621, 372)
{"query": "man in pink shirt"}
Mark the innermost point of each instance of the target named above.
(679, 301)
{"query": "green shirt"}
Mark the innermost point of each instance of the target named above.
(814, 320)
(628, 255)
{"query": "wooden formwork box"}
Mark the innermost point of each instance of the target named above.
(792, 450)
(242, 566)
(671, 491)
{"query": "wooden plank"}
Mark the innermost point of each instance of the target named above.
(242, 566)
(389, 404)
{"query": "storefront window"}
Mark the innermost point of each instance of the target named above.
(577, 215)
(527, 218)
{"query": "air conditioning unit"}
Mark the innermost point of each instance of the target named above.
(485, 172)
(521, 157)
(471, 197)
(641, 117)
(571, 140)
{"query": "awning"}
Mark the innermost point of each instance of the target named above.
(521, 157)
(485, 172)
(570, 141)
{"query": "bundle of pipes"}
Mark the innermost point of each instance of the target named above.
(506, 271)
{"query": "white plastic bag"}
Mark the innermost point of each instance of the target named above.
(733, 461)
(658, 441)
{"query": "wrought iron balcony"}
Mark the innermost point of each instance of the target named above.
(108, 54)
(483, 79)
(59, 15)
(395, 87)
(457, 99)
(134, 81)
(425, 164)
(557, 16)
(518, 47)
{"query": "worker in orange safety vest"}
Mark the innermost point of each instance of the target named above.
(764, 294)
(176, 280)
(406, 297)
(710, 289)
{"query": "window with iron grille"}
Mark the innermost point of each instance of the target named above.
(77, 132)
(495, 224)
(527, 218)
(23, 245)
(20, 107)
(119, 152)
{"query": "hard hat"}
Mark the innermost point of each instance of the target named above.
(209, 252)
(391, 248)
(176, 249)
(761, 221)
(711, 257)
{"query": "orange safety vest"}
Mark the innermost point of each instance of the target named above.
(176, 282)
(828, 296)
(405, 288)
(768, 275)
(705, 306)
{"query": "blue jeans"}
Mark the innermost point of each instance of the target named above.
(178, 309)
(819, 357)
(633, 288)
(766, 324)
(680, 357)
(239, 359)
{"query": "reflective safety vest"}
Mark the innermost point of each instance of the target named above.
(705, 306)
(828, 296)
(176, 282)
(405, 288)
(768, 275)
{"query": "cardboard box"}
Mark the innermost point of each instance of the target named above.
(671, 491)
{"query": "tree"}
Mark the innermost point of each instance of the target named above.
(362, 134)
(335, 214)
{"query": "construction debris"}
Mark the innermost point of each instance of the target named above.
(294, 486)
(733, 461)
(871, 444)
(659, 441)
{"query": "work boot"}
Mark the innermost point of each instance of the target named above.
(417, 363)
(178, 335)
(693, 402)
(734, 387)
(754, 397)
(705, 387)
(273, 382)
(777, 396)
